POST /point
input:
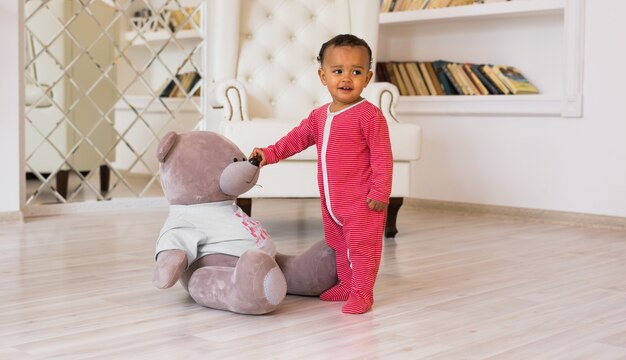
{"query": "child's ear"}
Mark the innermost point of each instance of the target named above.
(369, 77)
(322, 76)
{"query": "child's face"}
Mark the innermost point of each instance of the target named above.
(345, 72)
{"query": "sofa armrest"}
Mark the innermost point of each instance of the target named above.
(230, 96)
(384, 95)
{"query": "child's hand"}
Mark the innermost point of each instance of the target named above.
(256, 152)
(376, 205)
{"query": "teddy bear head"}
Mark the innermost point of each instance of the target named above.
(203, 166)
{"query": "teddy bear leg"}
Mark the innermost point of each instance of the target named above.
(256, 285)
(170, 265)
(311, 272)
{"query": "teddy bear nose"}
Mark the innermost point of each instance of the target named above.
(256, 160)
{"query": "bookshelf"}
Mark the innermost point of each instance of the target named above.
(153, 56)
(543, 38)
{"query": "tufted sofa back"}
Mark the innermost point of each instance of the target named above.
(271, 47)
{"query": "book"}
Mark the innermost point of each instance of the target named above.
(488, 71)
(457, 78)
(427, 79)
(394, 75)
(453, 81)
(498, 74)
(417, 78)
(461, 2)
(385, 6)
(436, 4)
(471, 88)
(167, 89)
(381, 72)
(482, 90)
(446, 85)
(493, 90)
(391, 74)
(196, 78)
(401, 85)
(515, 81)
(415, 5)
(184, 19)
(184, 85)
(434, 78)
(407, 80)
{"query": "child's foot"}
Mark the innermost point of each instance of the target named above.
(357, 304)
(338, 292)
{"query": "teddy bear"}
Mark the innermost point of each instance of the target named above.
(223, 258)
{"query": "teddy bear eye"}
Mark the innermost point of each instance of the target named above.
(235, 160)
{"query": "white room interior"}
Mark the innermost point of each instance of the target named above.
(511, 240)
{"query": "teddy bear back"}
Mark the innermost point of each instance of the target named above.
(191, 165)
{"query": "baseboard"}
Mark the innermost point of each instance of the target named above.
(538, 215)
(11, 217)
(96, 206)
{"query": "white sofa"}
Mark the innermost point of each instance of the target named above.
(264, 71)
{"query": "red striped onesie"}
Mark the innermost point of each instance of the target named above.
(354, 163)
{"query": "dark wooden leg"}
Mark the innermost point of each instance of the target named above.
(245, 205)
(105, 178)
(62, 178)
(392, 215)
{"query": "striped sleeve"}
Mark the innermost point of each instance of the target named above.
(376, 134)
(296, 140)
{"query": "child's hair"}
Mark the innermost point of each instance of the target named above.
(345, 40)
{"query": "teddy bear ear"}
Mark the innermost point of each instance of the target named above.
(165, 145)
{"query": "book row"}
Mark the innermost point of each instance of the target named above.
(183, 85)
(412, 5)
(442, 77)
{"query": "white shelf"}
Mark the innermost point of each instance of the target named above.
(548, 105)
(518, 8)
(161, 36)
(566, 102)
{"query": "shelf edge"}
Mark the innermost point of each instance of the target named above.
(523, 105)
(473, 11)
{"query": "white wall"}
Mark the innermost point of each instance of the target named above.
(564, 164)
(10, 127)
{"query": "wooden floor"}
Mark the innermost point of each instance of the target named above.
(451, 286)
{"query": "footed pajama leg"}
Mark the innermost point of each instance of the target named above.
(334, 238)
(364, 235)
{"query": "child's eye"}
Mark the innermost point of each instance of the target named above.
(338, 72)
(356, 72)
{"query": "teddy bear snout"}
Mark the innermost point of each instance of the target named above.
(238, 177)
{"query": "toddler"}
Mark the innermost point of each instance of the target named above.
(354, 168)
